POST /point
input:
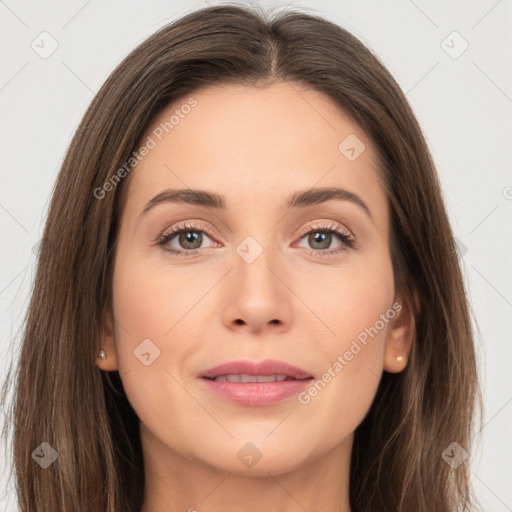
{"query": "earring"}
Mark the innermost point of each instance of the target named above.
(399, 359)
(102, 355)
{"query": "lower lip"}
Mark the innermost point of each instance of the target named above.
(257, 393)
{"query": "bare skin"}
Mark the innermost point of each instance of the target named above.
(293, 303)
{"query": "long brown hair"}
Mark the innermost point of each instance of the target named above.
(63, 399)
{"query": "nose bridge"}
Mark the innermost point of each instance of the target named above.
(258, 294)
(255, 257)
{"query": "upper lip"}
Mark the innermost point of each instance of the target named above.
(266, 367)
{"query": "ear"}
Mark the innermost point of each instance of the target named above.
(107, 343)
(401, 334)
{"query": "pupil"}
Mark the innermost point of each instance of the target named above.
(189, 238)
(319, 237)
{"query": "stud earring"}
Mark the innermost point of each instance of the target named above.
(102, 355)
(399, 359)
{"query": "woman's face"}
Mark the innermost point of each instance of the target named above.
(269, 270)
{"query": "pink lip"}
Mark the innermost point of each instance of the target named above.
(257, 393)
(266, 367)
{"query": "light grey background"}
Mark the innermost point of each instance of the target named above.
(463, 103)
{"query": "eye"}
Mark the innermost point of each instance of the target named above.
(320, 237)
(189, 238)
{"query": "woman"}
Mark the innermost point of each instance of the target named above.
(189, 346)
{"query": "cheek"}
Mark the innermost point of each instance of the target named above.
(151, 302)
(357, 308)
(155, 321)
(351, 302)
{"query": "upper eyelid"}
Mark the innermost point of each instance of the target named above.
(326, 225)
(196, 225)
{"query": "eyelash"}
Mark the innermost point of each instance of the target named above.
(347, 240)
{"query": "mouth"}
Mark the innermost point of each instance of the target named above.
(248, 379)
(253, 384)
(250, 371)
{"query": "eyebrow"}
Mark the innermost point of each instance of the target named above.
(299, 199)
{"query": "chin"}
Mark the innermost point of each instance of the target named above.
(256, 459)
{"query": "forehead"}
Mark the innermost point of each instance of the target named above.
(255, 146)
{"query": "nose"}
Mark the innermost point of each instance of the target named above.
(258, 299)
